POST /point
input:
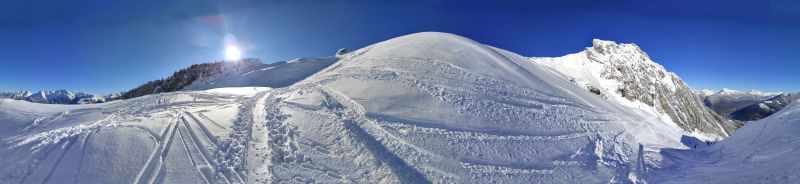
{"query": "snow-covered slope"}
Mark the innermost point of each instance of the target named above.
(56, 97)
(178, 137)
(624, 74)
(727, 101)
(279, 74)
(436, 107)
(763, 151)
(248, 72)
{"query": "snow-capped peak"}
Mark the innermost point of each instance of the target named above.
(602, 43)
(625, 74)
(726, 91)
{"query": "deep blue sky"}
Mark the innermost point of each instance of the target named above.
(109, 46)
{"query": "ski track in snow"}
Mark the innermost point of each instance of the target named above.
(184, 134)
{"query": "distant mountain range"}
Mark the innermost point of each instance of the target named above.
(745, 106)
(765, 108)
(61, 96)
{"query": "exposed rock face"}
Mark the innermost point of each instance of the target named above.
(624, 70)
(341, 52)
(648, 82)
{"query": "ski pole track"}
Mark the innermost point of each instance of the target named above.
(203, 129)
(212, 121)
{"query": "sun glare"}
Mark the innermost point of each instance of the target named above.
(233, 53)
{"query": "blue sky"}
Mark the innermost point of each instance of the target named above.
(104, 46)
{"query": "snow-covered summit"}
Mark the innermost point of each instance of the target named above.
(726, 91)
(624, 74)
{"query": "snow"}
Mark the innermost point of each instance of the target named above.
(763, 106)
(763, 151)
(242, 91)
(423, 108)
(279, 74)
(706, 92)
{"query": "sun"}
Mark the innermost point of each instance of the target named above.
(233, 53)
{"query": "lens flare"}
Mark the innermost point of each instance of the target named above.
(233, 53)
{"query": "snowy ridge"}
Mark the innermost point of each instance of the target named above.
(624, 74)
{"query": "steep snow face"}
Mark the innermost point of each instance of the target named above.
(727, 101)
(624, 74)
(436, 107)
(763, 151)
(55, 97)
